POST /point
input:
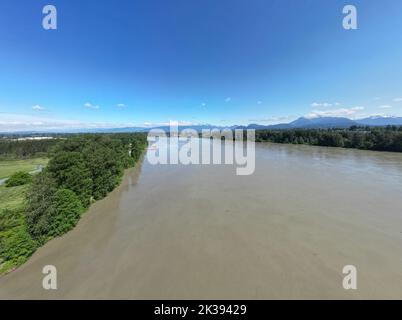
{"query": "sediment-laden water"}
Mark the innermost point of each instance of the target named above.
(287, 231)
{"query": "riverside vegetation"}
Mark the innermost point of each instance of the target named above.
(366, 138)
(387, 138)
(81, 169)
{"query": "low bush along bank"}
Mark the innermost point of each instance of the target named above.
(81, 169)
(19, 179)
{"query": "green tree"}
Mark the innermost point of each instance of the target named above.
(105, 161)
(68, 209)
(41, 206)
(70, 172)
(18, 179)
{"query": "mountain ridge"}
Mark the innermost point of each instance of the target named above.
(300, 123)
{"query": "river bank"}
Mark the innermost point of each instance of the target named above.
(54, 201)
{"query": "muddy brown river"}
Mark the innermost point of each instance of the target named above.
(184, 232)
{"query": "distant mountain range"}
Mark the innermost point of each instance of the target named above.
(302, 123)
(381, 121)
(305, 123)
(332, 122)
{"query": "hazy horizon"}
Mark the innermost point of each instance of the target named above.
(180, 124)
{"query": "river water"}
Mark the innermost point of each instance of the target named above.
(183, 232)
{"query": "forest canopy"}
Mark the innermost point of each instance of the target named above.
(85, 168)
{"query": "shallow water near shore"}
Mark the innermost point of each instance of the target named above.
(201, 232)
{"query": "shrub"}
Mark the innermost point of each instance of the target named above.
(18, 179)
(16, 246)
(10, 218)
(68, 209)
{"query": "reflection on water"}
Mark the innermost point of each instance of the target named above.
(132, 176)
(200, 231)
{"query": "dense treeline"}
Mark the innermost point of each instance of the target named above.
(81, 169)
(23, 149)
(367, 138)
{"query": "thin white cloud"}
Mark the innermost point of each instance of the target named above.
(342, 112)
(271, 119)
(324, 104)
(398, 100)
(121, 105)
(90, 106)
(18, 122)
(38, 107)
(150, 124)
(385, 107)
(381, 115)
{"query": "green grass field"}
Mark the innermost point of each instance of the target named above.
(8, 167)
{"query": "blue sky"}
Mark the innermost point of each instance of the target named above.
(119, 63)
